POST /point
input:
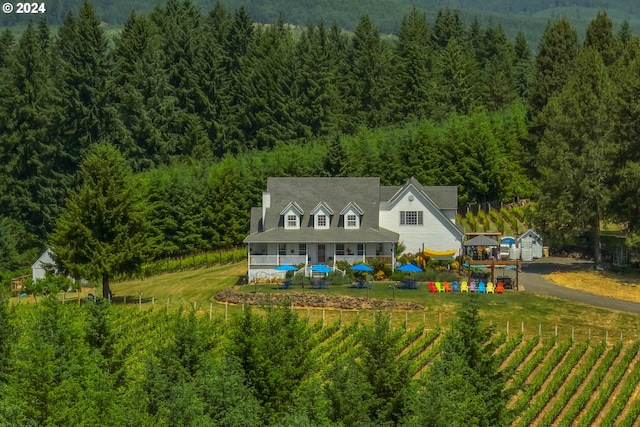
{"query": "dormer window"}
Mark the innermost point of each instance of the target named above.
(292, 216)
(322, 216)
(351, 216)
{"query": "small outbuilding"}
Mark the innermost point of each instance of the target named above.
(43, 264)
(530, 244)
(481, 247)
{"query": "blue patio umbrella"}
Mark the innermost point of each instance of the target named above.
(409, 268)
(286, 267)
(361, 267)
(320, 268)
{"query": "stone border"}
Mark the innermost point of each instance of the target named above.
(314, 300)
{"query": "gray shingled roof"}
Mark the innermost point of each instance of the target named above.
(481, 241)
(336, 192)
(444, 197)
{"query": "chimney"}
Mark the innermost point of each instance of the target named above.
(266, 204)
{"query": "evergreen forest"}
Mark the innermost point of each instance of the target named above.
(180, 118)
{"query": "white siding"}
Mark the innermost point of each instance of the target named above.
(432, 234)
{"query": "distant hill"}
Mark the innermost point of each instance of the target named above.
(530, 16)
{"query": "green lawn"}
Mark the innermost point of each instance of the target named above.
(198, 286)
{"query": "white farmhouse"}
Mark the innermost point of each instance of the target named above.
(305, 221)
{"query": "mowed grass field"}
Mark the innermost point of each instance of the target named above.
(517, 311)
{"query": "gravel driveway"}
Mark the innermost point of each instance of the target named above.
(532, 280)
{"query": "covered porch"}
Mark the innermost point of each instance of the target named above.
(263, 258)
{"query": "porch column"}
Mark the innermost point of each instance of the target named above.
(278, 254)
(364, 252)
(248, 262)
(393, 257)
(334, 254)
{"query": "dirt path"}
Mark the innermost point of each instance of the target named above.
(533, 281)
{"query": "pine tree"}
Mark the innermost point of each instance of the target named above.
(85, 115)
(556, 53)
(317, 72)
(140, 94)
(414, 58)
(102, 231)
(448, 26)
(369, 62)
(269, 89)
(576, 152)
(624, 203)
(29, 191)
(600, 36)
(458, 79)
(462, 380)
(523, 66)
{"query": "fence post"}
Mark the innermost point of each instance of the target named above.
(167, 304)
(620, 336)
(340, 315)
(522, 327)
(406, 320)
(140, 301)
(125, 300)
(556, 331)
(210, 310)
(540, 329)
(153, 302)
(572, 334)
(226, 310)
(323, 317)
(606, 336)
(507, 328)
(194, 306)
(589, 334)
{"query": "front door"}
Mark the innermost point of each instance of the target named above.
(321, 256)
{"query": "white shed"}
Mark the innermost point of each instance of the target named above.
(43, 264)
(530, 244)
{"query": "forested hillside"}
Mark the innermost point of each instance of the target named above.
(529, 16)
(204, 107)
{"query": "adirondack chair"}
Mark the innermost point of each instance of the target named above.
(440, 287)
(432, 287)
(482, 288)
(455, 286)
(499, 288)
(447, 287)
(490, 288)
(473, 287)
(464, 287)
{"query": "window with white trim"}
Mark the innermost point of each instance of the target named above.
(360, 248)
(322, 220)
(352, 221)
(282, 248)
(292, 221)
(339, 248)
(302, 249)
(411, 218)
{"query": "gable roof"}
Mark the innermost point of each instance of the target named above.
(44, 260)
(482, 241)
(320, 205)
(354, 206)
(335, 192)
(292, 205)
(530, 233)
(444, 197)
